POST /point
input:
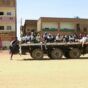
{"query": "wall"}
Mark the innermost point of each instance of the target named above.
(67, 26)
(39, 25)
(49, 25)
(8, 20)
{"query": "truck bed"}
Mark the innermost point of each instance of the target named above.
(56, 44)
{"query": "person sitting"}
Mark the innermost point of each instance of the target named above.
(45, 35)
(58, 38)
(26, 38)
(71, 38)
(23, 39)
(50, 38)
(38, 38)
(84, 40)
(33, 37)
(66, 38)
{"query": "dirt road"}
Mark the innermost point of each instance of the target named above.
(24, 73)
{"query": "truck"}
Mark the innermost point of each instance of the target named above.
(54, 50)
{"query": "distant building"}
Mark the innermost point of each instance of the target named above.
(7, 21)
(29, 25)
(62, 25)
(57, 25)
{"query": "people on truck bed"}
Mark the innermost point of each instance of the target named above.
(59, 38)
(84, 39)
(48, 37)
(26, 38)
(38, 38)
(45, 35)
(71, 38)
(65, 38)
(80, 36)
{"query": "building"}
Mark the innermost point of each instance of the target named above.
(57, 25)
(62, 25)
(29, 25)
(7, 21)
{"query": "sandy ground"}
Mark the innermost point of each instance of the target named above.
(22, 72)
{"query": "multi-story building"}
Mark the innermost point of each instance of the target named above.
(62, 25)
(7, 21)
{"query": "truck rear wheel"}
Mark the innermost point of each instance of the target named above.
(56, 54)
(74, 53)
(37, 54)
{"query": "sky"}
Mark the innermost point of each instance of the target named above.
(34, 9)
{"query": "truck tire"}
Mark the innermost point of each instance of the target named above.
(56, 54)
(37, 54)
(74, 53)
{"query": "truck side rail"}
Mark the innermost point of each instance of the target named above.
(61, 43)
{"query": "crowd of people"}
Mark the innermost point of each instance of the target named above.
(48, 37)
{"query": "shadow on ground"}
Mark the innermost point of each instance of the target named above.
(48, 59)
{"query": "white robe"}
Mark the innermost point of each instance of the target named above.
(83, 40)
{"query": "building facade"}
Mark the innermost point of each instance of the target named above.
(62, 25)
(57, 25)
(7, 21)
(29, 25)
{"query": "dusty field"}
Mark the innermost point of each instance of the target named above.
(24, 73)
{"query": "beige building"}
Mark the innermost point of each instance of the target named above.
(62, 25)
(57, 25)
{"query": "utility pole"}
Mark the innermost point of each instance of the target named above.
(15, 18)
(20, 37)
(21, 28)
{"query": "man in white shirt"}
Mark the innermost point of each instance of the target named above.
(83, 40)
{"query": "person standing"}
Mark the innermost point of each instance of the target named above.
(14, 47)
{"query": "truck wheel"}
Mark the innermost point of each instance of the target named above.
(37, 54)
(56, 54)
(74, 53)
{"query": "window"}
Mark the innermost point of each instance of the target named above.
(1, 13)
(1, 27)
(11, 18)
(6, 2)
(9, 27)
(8, 13)
(0, 18)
